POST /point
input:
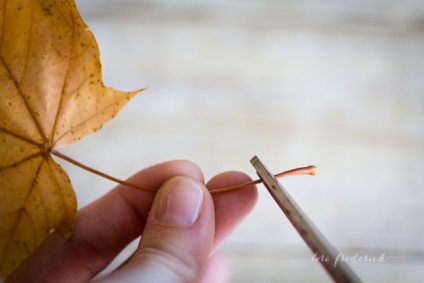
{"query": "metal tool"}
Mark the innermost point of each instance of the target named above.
(324, 252)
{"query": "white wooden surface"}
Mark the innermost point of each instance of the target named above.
(337, 84)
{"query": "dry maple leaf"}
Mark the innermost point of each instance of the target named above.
(52, 94)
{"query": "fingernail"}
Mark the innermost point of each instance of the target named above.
(180, 203)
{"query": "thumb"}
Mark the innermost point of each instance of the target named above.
(177, 240)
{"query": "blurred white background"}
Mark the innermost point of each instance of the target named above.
(337, 84)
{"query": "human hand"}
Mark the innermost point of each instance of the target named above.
(181, 226)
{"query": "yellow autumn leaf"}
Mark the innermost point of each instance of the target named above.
(52, 94)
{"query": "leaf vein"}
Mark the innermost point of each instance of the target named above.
(21, 93)
(87, 119)
(20, 137)
(22, 160)
(58, 110)
(56, 183)
(20, 212)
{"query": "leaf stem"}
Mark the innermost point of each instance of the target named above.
(94, 171)
(308, 170)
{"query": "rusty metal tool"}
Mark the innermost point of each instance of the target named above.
(326, 254)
